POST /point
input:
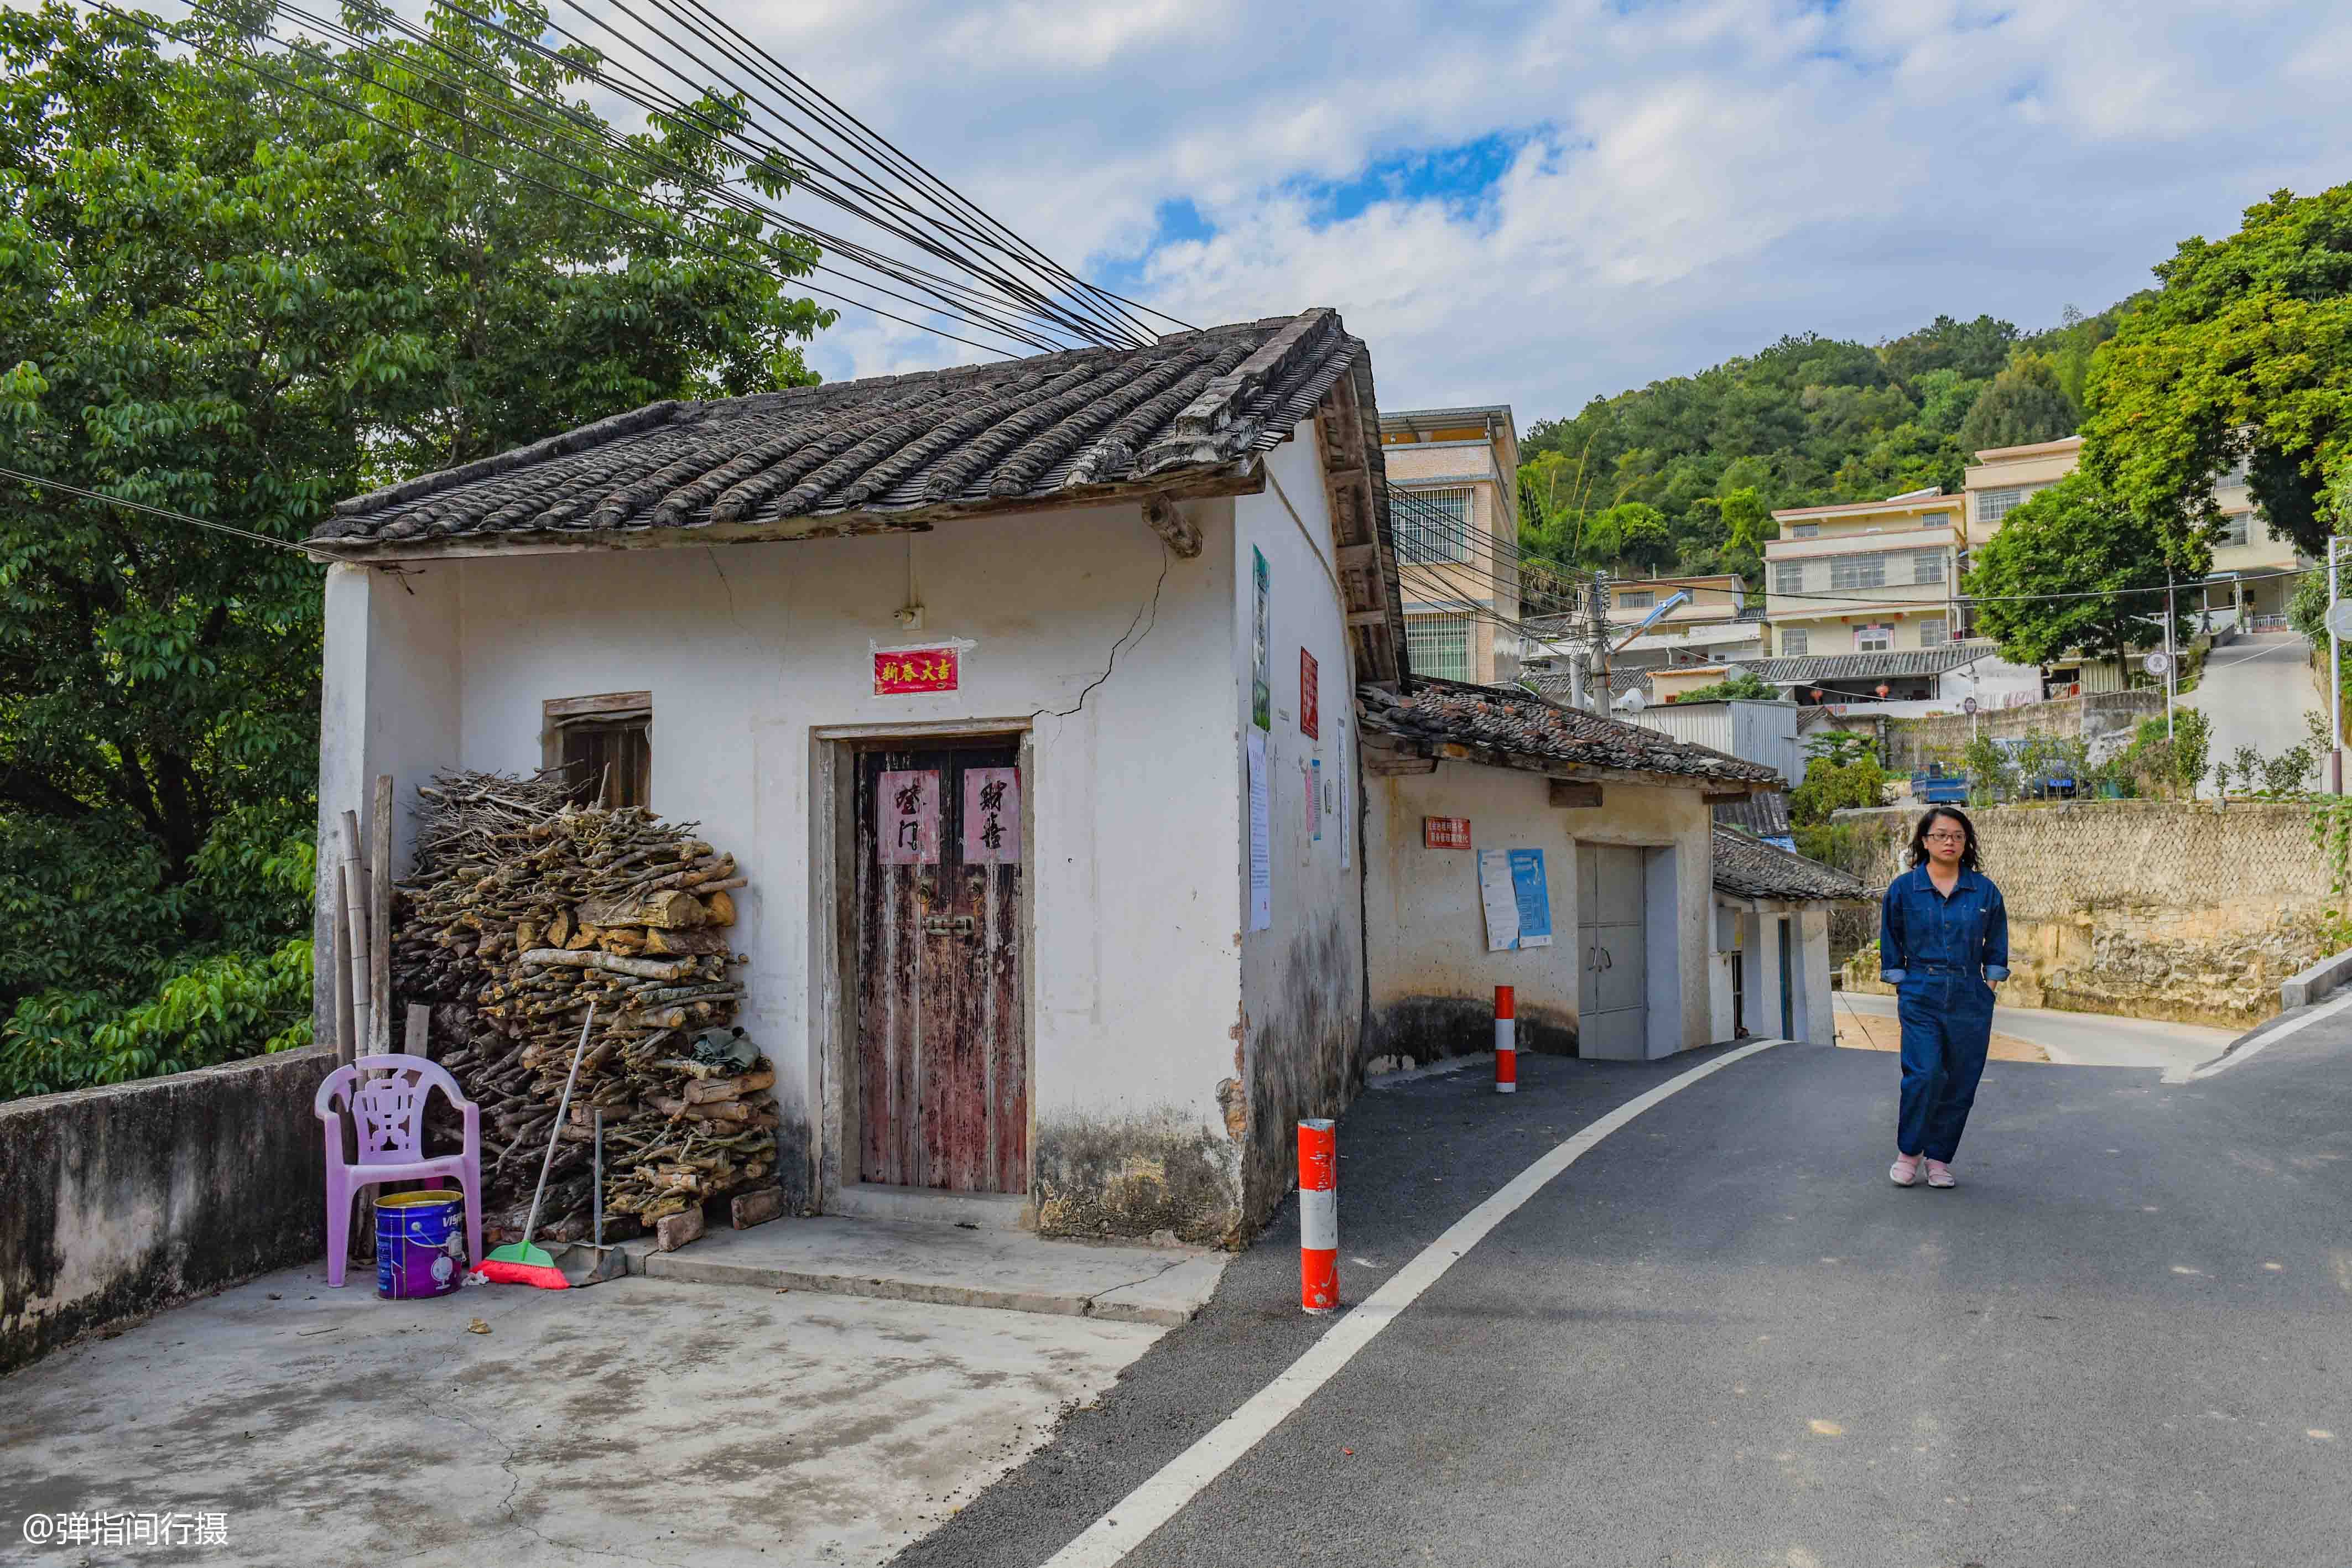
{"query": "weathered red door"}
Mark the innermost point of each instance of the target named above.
(944, 1083)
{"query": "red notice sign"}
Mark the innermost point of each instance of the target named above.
(1310, 697)
(904, 670)
(1445, 833)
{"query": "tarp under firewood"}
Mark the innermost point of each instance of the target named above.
(524, 908)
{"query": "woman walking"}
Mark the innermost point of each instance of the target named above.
(1943, 935)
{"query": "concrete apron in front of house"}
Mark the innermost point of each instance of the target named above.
(981, 1257)
(638, 1419)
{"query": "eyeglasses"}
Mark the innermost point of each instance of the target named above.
(1948, 838)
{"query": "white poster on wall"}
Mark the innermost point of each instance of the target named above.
(1261, 836)
(1511, 889)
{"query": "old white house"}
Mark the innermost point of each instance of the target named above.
(1030, 698)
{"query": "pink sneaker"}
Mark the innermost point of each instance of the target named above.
(1905, 1171)
(1939, 1174)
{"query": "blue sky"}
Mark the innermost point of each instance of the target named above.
(1534, 204)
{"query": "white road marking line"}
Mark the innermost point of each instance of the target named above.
(2324, 1010)
(1126, 1526)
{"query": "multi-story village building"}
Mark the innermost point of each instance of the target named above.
(1864, 604)
(1862, 600)
(2252, 564)
(1454, 484)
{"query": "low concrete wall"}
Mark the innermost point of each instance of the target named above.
(124, 1199)
(2105, 719)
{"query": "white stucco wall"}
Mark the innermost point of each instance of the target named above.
(1432, 978)
(390, 703)
(750, 650)
(1302, 978)
(1811, 1004)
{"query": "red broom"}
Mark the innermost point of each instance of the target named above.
(520, 1263)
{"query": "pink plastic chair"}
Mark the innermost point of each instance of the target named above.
(386, 1095)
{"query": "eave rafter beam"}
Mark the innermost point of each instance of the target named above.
(1168, 521)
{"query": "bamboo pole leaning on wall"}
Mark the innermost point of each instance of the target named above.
(379, 862)
(358, 902)
(339, 966)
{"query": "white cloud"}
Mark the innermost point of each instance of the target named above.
(1685, 180)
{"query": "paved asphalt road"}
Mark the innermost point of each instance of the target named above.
(2086, 1040)
(1723, 1339)
(2256, 690)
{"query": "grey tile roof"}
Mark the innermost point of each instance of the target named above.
(1071, 426)
(1748, 868)
(1505, 720)
(1765, 815)
(1558, 685)
(1799, 669)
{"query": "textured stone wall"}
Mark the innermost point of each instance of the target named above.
(128, 1198)
(2165, 909)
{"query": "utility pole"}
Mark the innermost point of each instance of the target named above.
(2171, 659)
(1592, 663)
(1602, 691)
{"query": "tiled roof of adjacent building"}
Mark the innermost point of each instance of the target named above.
(1764, 815)
(1509, 722)
(1800, 669)
(1065, 426)
(1748, 868)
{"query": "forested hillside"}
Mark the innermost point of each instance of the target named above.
(1683, 474)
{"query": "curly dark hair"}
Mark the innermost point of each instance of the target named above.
(1928, 820)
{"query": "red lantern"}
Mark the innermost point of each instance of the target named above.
(1882, 690)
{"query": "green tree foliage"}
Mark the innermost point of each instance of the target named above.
(222, 296)
(1833, 785)
(1806, 422)
(2025, 403)
(2071, 538)
(2244, 351)
(1744, 686)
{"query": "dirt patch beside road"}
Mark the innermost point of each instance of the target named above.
(1861, 1032)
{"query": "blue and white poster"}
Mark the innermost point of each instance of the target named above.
(1518, 903)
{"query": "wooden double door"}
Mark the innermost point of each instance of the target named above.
(943, 1053)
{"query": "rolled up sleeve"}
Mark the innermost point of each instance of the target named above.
(1890, 934)
(1996, 940)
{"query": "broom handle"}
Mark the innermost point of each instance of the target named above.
(531, 1225)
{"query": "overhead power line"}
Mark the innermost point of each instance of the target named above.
(308, 552)
(954, 264)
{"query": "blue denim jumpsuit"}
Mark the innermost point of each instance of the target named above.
(1938, 953)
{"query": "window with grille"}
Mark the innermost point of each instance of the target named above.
(2234, 527)
(2234, 476)
(1994, 504)
(1643, 600)
(1926, 566)
(1935, 520)
(1932, 632)
(1804, 530)
(1439, 645)
(1857, 571)
(1432, 525)
(1794, 643)
(1789, 577)
(604, 745)
(1872, 639)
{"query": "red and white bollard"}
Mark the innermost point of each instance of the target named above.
(1318, 1217)
(1507, 1041)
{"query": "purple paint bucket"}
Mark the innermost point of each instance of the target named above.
(420, 1244)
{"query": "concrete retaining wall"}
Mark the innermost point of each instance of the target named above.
(2105, 719)
(125, 1199)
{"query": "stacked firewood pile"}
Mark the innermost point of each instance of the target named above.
(525, 908)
